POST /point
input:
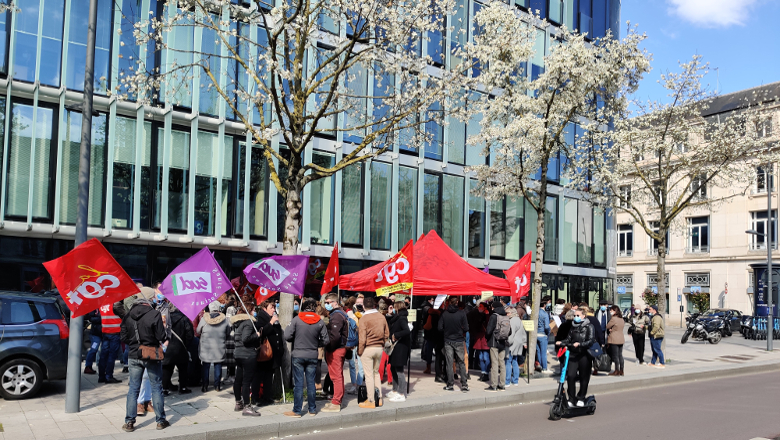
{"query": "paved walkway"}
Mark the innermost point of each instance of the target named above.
(103, 406)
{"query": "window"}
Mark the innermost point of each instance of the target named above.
(556, 10)
(699, 187)
(599, 237)
(764, 128)
(551, 230)
(584, 232)
(698, 234)
(26, 160)
(381, 189)
(570, 231)
(431, 203)
(407, 205)
(256, 192)
(356, 105)
(452, 212)
(70, 169)
(653, 249)
(180, 42)
(625, 196)
(758, 224)
(760, 186)
(506, 228)
(474, 152)
(4, 25)
(77, 45)
(476, 223)
(352, 205)
(435, 39)
(497, 228)
(50, 31)
(321, 205)
(434, 131)
(457, 133)
(129, 52)
(19, 313)
(206, 176)
(625, 240)
(178, 179)
(124, 185)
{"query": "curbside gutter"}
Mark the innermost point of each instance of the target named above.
(278, 426)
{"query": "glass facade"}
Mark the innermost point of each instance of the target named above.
(181, 178)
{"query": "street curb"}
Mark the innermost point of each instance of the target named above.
(277, 426)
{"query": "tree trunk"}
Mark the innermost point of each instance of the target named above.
(538, 261)
(292, 224)
(662, 283)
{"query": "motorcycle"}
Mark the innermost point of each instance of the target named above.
(710, 330)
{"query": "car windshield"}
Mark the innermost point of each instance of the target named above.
(714, 313)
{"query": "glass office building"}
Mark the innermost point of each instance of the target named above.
(168, 180)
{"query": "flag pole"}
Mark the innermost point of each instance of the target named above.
(245, 309)
(409, 360)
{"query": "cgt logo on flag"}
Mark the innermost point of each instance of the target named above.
(273, 270)
(520, 282)
(393, 270)
(92, 289)
(191, 282)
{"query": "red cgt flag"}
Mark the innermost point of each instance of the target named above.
(88, 277)
(332, 272)
(519, 277)
(397, 274)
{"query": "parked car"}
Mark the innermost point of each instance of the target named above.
(732, 317)
(33, 343)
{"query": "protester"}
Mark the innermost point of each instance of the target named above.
(324, 315)
(214, 332)
(453, 326)
(656, 337)
(542, 332)
(177, 355)
(599, 335)
(230, 344)
(373, 332)
(578, 341)
(384, 305)
(96, 340)
(335, 350)
(143, 326)
(307, 332)
(271, 331)
(615, 339)
(355, 366)
(638, 328)
(603, 316)
(522, 312)
(497, 334)
(481, 349)
(560, 305)
(515, 345)
(427, 351)
(110, 323)
(562, 315)
(247, 339)
(400, 334)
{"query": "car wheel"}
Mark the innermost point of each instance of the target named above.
(20, 379)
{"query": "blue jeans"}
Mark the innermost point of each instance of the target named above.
(513, 368)
(655, 345)
(125, 355)
(299, 366)
(484, 361)
(541, 351)
(217, 373)
(146, 389)
(93, 349)
(108, 355)
(355, 370)
(154, 369)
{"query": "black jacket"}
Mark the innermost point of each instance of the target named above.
(563, 330)
(275, 336)
(338, 330)
(245, 336)
(597, 325)
(584, 334)
(148, 321)
(453, 324)
(477, 324)
(491, 329)
(182, 326)
(399, 329)
(96, 324)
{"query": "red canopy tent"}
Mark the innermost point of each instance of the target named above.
(437, 270)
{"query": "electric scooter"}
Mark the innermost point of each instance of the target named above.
(560, 404)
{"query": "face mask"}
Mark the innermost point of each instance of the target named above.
(474, 300)
(295, 307)
(254, 314)
(548, 307)
(577, 319)
(329, 307)
(603, 308)
(637, 311)
(160, 297)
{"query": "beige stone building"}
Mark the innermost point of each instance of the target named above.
(710, 248)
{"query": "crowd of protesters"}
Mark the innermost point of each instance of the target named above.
(371, 336)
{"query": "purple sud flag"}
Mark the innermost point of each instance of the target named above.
(280, 273)
(195, 283)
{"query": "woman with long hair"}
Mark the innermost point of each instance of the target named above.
(400, 333)
(615, 339)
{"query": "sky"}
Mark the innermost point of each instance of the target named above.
(739, 38)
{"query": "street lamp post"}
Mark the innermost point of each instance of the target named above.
(768, 242)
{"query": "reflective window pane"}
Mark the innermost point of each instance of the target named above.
(69, 181)
(476, 223)
(178, 90)
(431, 201)
(551, 230)
(452, 212)
(599, 245)
(322, 193)
(352, 205)
(178, 179)
(584, 232)
(207, 206)
(51, 42)
(514, 228)
(256, 192)
(569, 231)
(124, 188)
(381, 189)
(407, 205)
(497, 231)
(530, 228)
(77, 45)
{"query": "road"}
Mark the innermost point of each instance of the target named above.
(737, 408)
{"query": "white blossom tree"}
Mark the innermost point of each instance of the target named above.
(300, 69)
(666, 159)
(524, 120)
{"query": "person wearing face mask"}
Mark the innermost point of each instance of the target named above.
(401, 336)
(270, 330)
(296, 308)
(656, 337)
(543, 331)
(603, 316)
(335, 350)
(638, 328)
(579, 339)
(615, 339)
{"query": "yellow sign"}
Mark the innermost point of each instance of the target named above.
(412, 315)
(387, 290)
(528, 325)
(486, 294)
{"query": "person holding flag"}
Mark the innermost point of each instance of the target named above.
(519, 278)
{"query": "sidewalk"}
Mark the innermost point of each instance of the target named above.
(200, 415)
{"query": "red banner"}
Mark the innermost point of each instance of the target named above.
(89, 277)
(397, 274)
(519, 277)
(332, 272)
(262, 294)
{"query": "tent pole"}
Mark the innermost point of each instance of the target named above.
(409, 360)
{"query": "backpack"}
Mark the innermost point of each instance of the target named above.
(503, 328)
(352, 338)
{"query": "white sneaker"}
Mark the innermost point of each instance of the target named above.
(516, 384)
(580, 404)
(390, 395)
(571, 405)
(398, 398)
(546, 371)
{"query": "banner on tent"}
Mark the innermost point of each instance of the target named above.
(397, 274)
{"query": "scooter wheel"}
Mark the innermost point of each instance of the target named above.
(591, 410)
(556, 411)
